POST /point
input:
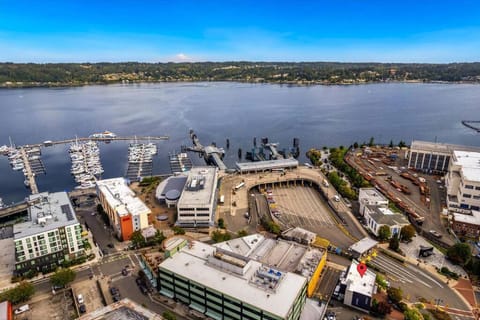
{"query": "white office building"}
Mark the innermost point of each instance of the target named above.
(358, 290)
(463, 182)
(376, 217)
(197, 203)
(371, 197)
(51, 236)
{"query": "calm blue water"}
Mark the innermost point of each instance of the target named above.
(318, 115)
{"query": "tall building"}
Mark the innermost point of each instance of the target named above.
(126, 212)
(225, 285)
(50, 236)
(463, 182)
(197, 203)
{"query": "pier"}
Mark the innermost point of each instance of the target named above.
(210, 153)
(127, 138)
(273, 150)
(29, 173)
(468, 124)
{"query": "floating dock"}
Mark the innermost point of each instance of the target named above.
(140, 160)
(179, 162)
(28, 171)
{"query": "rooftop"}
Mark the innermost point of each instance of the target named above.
(387, 217)
(267, 165)
(47, 211)
(300, 234)
(124, 309)
(171, 183)
(363, 245)
(473, 219)
(121, 197)
(191, 262)
(285, 255)
(445, 148)
(373, 194)
(470, 163)
(199, 188)
(364, 285)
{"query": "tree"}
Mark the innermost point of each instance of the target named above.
(219, 236)
(384, 233)
(62, 277)
(407, 233)
(459, 253)
(381, 308)
(395, 294)
(138, 240)
(371, 142)
(178, 230)
(242, 233)
(21, 293)
(355, 144)
(394, 243)
(390, 145)
(412, 314)
(221, 223)
(168, 315)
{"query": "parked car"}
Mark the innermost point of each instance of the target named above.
(113, 291)
(139, 282)
(110, 245)
(82, 308)
(22, 309)
(435, 234)
(80, 299)
(124, 272)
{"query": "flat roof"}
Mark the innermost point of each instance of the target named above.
(300, 233)
(438, 147)
(266, 165)
(363, 245)
(470, 164)
(355, 282)
(121, 197)
(474, 218)
(283, 254)
(124, 309)
(373, 193)
(199, 188)
(47, 211)
(191, 262)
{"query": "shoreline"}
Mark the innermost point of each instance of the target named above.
(22, 85)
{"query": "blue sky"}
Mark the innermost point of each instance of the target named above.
(317, 30)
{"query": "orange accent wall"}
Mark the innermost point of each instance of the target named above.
(126, 227)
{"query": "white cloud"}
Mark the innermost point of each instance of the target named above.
(182, 57)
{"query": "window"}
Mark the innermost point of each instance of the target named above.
(468, 186)
(466, 195)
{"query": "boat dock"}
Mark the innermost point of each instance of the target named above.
(29, 172)
(99, 139)
(140, 160)
(273, 150)
(179, 162)
(211, 153)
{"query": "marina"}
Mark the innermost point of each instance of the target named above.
(86, 165)
(140, 160)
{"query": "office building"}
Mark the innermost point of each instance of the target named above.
(225, 285)
(377, 216)
(51, 235)
(126, 212)
(197, 203)
(370, 197)
(466, 225)
(463, 182)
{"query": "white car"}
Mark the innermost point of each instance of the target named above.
(80, 299)
(22, 309)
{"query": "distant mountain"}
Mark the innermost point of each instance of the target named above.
(66, 74)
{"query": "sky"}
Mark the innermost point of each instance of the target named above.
(185, 30)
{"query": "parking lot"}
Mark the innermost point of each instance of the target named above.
(304, 207)
(57, 307)
(90, 292)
